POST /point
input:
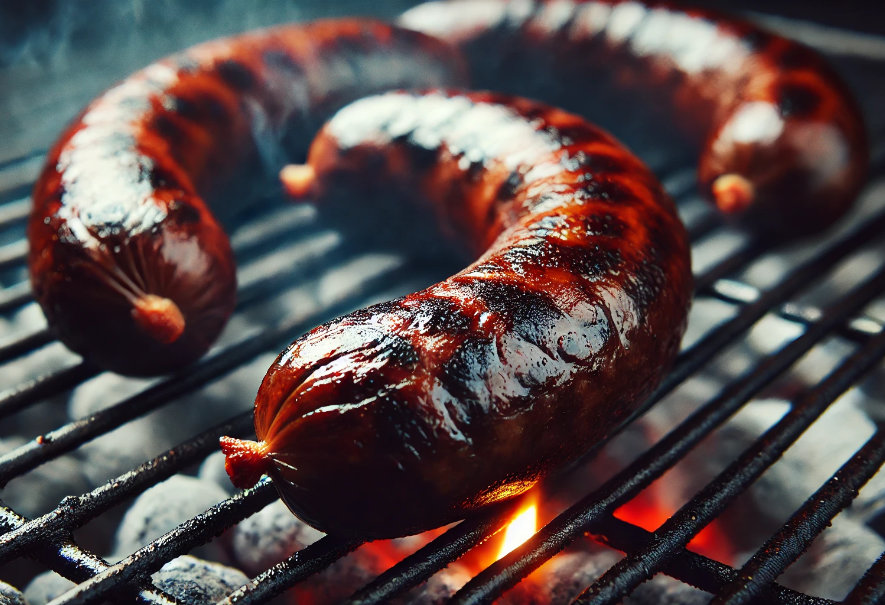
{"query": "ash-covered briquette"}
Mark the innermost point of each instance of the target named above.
(161, 509)
(9, 595)
(439, 588)
(45, 587)
(269, 536)
(187, 578)
(836, 560)
(195, 581)
(804, 467)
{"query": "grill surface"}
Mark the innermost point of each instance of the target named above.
(747, 280)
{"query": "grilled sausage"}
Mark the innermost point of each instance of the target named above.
(409, 414)
(783, 144)
(132, 270)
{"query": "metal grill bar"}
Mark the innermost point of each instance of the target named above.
(43, 386)
(506, 572)
(47, 537)
(12, 213)
(75, 511)
(25, 344)
(15, 296)
(674, 534)
(248, 244)
(213, 366)
(299, 566)
(689, 567)
(429, 559)
(797, 533)
(871, 588)
(186, 536)
(64, 556)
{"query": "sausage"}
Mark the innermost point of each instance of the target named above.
(782, 142)
(411, 413)
(131, 268)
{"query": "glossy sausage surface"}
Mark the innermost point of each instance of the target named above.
(409, 414)
(131, 268)
(782, 142)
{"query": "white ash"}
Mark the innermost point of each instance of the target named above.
(45, 587)
(836, 560)
(664, 590)
(270, 536)
(804, 467)
(195, 581)
(439, 588)
(144, 438)
(9, 595)
(40, 490)
(840, 555)
(562, 578)
(161, 509)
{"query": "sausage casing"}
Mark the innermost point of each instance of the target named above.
(782, 142)
(128, 263)
(409, 414)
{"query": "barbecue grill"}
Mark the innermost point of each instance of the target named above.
(295, 271)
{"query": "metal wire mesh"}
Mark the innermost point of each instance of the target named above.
(267, 238)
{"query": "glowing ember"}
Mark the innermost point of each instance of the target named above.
(520, 529)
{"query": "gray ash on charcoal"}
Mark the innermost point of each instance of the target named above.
(9, 595)
(45, 587)
(195, 581)
(161, 509)
(268, 537)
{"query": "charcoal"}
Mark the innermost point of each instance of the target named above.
(562, 578)
(269, 536)
(836, 560)
(162, 508)
(439, 588)
(45, 587)
(341, 579)
(195, 581)
(10, 595)
(664, 590)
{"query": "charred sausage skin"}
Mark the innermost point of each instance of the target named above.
(409, 414)
(782, 142)
(130, 266)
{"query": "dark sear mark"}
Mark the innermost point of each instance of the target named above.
(236, 74)
(798, 101)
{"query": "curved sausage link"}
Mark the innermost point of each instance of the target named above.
(783, 144)
(129, 265)
(408, 414)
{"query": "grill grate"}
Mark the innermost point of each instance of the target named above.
(281, 245)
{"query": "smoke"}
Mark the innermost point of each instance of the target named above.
(56, 55)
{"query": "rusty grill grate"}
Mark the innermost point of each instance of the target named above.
(266, 239)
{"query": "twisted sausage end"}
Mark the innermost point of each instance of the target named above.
(159, 317)
(245, 461)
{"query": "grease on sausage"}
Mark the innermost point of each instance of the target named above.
(409, 414)
(782, 142)
(128, 263)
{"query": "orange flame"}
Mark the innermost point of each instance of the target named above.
(520, 529)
